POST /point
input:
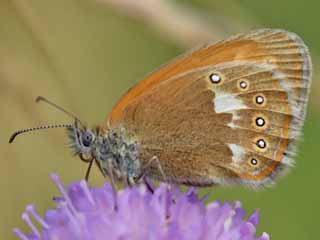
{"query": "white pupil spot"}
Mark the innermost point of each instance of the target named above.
(259, 99)
(254, 161)
(215, 78)
(260, 121)
(261, 143)
(243, 84)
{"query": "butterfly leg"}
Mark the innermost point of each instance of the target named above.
(84, 159)
(88, 170)
(155, 159)
(130, 181)
(149, 184)
(145, 169)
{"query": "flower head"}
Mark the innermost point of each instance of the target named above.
(87, 213)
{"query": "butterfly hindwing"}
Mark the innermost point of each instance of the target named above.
(231, 111)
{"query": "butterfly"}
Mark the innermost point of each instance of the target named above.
(223, 114)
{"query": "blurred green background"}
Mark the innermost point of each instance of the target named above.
(84, 54)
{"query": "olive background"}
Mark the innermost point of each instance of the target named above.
(84, 55)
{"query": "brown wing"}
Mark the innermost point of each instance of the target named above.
(277, 46)
(225, 113)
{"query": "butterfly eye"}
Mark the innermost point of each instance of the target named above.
(87, 139)
(215, 78)
(254, 161)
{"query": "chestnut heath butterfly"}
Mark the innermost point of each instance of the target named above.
(226, 113)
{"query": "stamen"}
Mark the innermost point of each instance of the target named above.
(56, 181)
(264, 236)
(31, 210)
(214, 205)
(20, 234)
(87, 192)
(226, 211)
(25, 217)
(228, 222)
(71, 216)
(237, 204)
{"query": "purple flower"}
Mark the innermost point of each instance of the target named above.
(87, 213)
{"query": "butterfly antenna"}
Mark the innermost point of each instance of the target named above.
(15, 134)
(43, 99)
